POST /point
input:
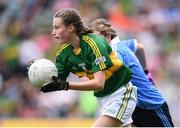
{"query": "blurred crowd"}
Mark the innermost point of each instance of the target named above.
(25, 34)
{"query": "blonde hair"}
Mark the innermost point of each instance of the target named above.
(104, 27)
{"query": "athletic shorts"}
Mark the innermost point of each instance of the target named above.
(159, 117)
(120, 104)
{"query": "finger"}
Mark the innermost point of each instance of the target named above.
(42, 90)
(55, 78)
(32, 61)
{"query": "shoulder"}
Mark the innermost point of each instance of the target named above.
(130, 43)
(96, 43)
(62, 49)
(92, 39)
(91, 36)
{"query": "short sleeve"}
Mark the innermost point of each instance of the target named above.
(131, 44)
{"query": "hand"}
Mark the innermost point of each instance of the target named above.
(30, 63)
(56, 85)
(148, 74)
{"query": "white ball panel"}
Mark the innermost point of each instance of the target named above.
(41, 72)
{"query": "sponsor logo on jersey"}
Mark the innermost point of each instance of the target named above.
(83, 66)
(100, 60)
(74, 68)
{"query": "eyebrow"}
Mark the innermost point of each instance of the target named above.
(56, 25)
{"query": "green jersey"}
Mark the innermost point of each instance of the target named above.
(94, 55)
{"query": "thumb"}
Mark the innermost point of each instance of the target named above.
(55, 78)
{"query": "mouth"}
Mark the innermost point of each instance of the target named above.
(57, 38)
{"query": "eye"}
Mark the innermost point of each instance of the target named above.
(56, 27)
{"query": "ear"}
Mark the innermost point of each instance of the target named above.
(71, 28)
(108, 38)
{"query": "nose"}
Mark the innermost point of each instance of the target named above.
(53, 33)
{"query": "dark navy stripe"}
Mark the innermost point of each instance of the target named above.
(161, 116)
(165, 117)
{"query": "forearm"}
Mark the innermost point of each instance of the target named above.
(140, 54)
(89, 85)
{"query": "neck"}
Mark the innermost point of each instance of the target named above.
(75, 42)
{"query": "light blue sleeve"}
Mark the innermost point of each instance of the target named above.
(115, 47)
(131, 44)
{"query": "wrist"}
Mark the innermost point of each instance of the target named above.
(66, 87)
(146, 71)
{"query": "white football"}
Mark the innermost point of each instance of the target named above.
(41, 72)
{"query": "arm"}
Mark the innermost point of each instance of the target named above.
(140, 54)
(95, 84)
(137, 48)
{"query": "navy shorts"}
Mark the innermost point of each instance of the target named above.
(152, 118)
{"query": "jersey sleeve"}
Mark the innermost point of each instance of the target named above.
(131, 44)
(63, 72)
(98, 51)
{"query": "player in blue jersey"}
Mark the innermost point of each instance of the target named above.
(138, 49)
(133, 44)
(151, 109)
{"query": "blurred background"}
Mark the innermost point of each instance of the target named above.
(25, 34)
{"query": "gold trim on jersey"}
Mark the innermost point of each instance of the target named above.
(84, 73)
(108, 72)
(95, 49)
(116, 65)
(62, 47)
(77, 51)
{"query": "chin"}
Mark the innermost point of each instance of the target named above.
(63, 42)
(60, 41)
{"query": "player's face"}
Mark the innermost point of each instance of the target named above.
(60, 31)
